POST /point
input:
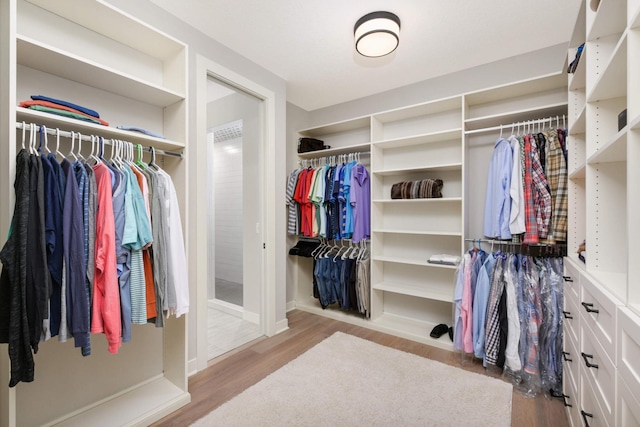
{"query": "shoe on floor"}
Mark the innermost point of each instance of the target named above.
(439, 330)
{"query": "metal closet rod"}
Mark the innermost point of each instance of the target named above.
(512, 243)
(87, 137)
(520, 123)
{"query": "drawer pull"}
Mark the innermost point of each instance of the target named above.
(567, 315)
(564, 356)
(567, 278)
(589, 307)
(586, 415)
(564, 399)
(586, 356)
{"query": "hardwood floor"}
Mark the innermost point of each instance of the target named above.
(232, 373)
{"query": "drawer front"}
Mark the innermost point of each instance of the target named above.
(571, 319)
(571, 361)
(590, 412)
(598, 369)
(571, 280)
(628, 407)
(599, 311)
(570, 387)
(628, 341)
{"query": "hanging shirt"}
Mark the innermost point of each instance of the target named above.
(556, 172)
(497, 210)
(531, 225)
(480, 301)
(106, 295)
(516, 191)
(361, 203)
(541, 196)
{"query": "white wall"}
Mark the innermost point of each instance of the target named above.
(227, 186)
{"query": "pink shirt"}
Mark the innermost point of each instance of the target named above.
(106, 291)
(466, 307)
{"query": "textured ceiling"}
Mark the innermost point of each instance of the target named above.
(310, 43)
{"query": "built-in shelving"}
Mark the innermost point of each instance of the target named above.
(92, 54)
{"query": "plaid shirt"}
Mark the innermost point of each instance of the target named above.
(492, 332)
(531, 235)
(558, 186)
(541, 196)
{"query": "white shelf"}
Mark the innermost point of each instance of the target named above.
(610, 18)
(52, 121)
(579, 172)
(155, 399)
(526, 87)
(413, 262)
(420, 139)
(614, 151)
(579, 125)
(579, 33)
(615, 283)
(426, 109)
(356, 148)
(40, 56)
(404, 289)
(522, 115)
(421, 233)
(635, 123)
(578, 79)
(337, 127)
(418, 201)
(612, 83)
(412, 329)
(435, 168)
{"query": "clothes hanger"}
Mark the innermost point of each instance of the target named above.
(43, 130)
(79, 154)
(58, 152)
(24, 134)
(32, 139)
(152, 163)
(92, 157)
(73, 142)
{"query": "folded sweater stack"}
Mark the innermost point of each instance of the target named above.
(63, 108)
(422, 189)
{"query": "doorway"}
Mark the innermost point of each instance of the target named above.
(234, 285)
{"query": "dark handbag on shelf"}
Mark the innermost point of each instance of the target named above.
(310, 144)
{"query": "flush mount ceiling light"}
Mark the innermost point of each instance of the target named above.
(377, 34)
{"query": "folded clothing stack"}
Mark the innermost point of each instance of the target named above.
(422, 189)
(444, 259)
(63, 108)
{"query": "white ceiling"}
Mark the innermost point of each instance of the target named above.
(309, 43)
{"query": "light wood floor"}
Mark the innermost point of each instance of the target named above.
(232, 373)
(226, 332)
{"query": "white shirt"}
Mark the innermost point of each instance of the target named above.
(516, 220)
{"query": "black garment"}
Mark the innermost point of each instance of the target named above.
(504, 329)
(54, 190)
(14, 327)
(38, 284)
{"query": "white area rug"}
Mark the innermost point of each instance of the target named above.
(349, 381)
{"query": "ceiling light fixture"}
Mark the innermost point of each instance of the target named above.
(377, 34)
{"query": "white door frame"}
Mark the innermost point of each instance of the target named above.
(206, 68)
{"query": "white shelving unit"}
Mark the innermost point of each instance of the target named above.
(436, 139)
(603, 205)
(90, 53)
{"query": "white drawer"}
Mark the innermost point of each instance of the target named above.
(570, 385)
(628, 341)
(590, 412)
(599, 311)
(571, 361)
(627, 406)
(599, 372)
(571, 319)
(571, 280)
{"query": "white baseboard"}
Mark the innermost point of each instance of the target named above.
(291, 305)
(225, 307)
(251, 317)
(282, 326)
(192, 367)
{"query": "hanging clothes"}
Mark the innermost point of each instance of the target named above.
(76, 231)
(527, 188)
(512, 306)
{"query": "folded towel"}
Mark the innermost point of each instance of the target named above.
(66, 104)
(444, 259)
